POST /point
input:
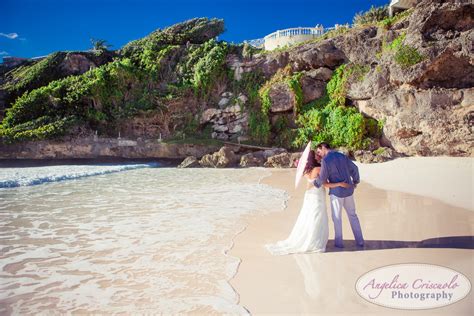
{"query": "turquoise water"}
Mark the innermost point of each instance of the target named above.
(120, 239)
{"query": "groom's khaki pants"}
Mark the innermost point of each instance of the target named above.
(349, 205)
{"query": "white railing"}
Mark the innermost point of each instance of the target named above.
(318, 30)
(296, 31)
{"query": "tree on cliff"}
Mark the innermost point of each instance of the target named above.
(99, 45)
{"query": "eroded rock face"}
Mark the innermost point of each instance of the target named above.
(425, 122)
(313, 56)
(89, 147)
(76, 64)
(282, 98)
(313, 83)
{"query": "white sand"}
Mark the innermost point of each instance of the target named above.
(449, 179)
(392, 222)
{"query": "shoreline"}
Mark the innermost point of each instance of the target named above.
(245, 224)
(298, 283)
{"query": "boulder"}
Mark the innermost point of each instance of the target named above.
(283, 160)
(270, 152)
(381, 154)
(282, 98)
(242, 99)
(208, 115)
(190, 162)
(227, 94)
(225, 157)
(250, 160)
(312, 88)
(312, 56)
(76, 64)
(321, 74)
(223, 102)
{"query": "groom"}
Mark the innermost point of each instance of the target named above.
(337, 167)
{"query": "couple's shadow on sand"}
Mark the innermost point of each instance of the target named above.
(457, 242)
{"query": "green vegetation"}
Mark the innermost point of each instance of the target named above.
(259, 127)
(97, 96)
(379, 151)
(259, 123)
(407, 56)
(100, 46)
(194, 31)
(33, 75)
(170, 74)
(294, 84)
(400, 16)
(404, 55)
(379, 16)
(284, 75)
(249, 84)
(373, 15)
(209, 68)
(149, 75)
(328, 119)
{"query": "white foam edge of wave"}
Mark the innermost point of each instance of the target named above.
(29, 181)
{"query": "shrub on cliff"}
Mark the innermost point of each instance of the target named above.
(86, 99)
(194, 31)
(328, 119)
(209, 68)
(373, 15)
(404, 55)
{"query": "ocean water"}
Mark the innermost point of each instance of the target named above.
(123, 238)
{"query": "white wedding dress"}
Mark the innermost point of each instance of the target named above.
(311, 231)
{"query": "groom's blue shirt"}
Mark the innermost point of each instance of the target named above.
(337, 167)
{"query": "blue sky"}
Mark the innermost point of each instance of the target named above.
(38, 27)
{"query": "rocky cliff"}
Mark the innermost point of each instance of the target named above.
(403, 84)
(416, 76)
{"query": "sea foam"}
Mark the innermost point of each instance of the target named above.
(15, 177)
(149, 240)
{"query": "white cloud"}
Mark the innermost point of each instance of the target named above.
(9, 35)
(3, 53)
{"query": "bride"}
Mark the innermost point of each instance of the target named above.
(310, 232)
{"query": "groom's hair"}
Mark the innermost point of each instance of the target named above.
(323, 145)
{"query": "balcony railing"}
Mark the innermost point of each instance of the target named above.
(296, 31)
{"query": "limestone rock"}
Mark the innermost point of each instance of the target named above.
(76, 64)
(225, 157)
(190, 162)
(223, 102)
(270, 152)
(312, 87)
(283, 160)
(208, 115)
(425, 122)
(379, 155)
(242, 99)
(250, 160)
(282, 98)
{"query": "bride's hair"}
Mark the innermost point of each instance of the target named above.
(312, 162)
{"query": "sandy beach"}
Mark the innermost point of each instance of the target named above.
(411, 210)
